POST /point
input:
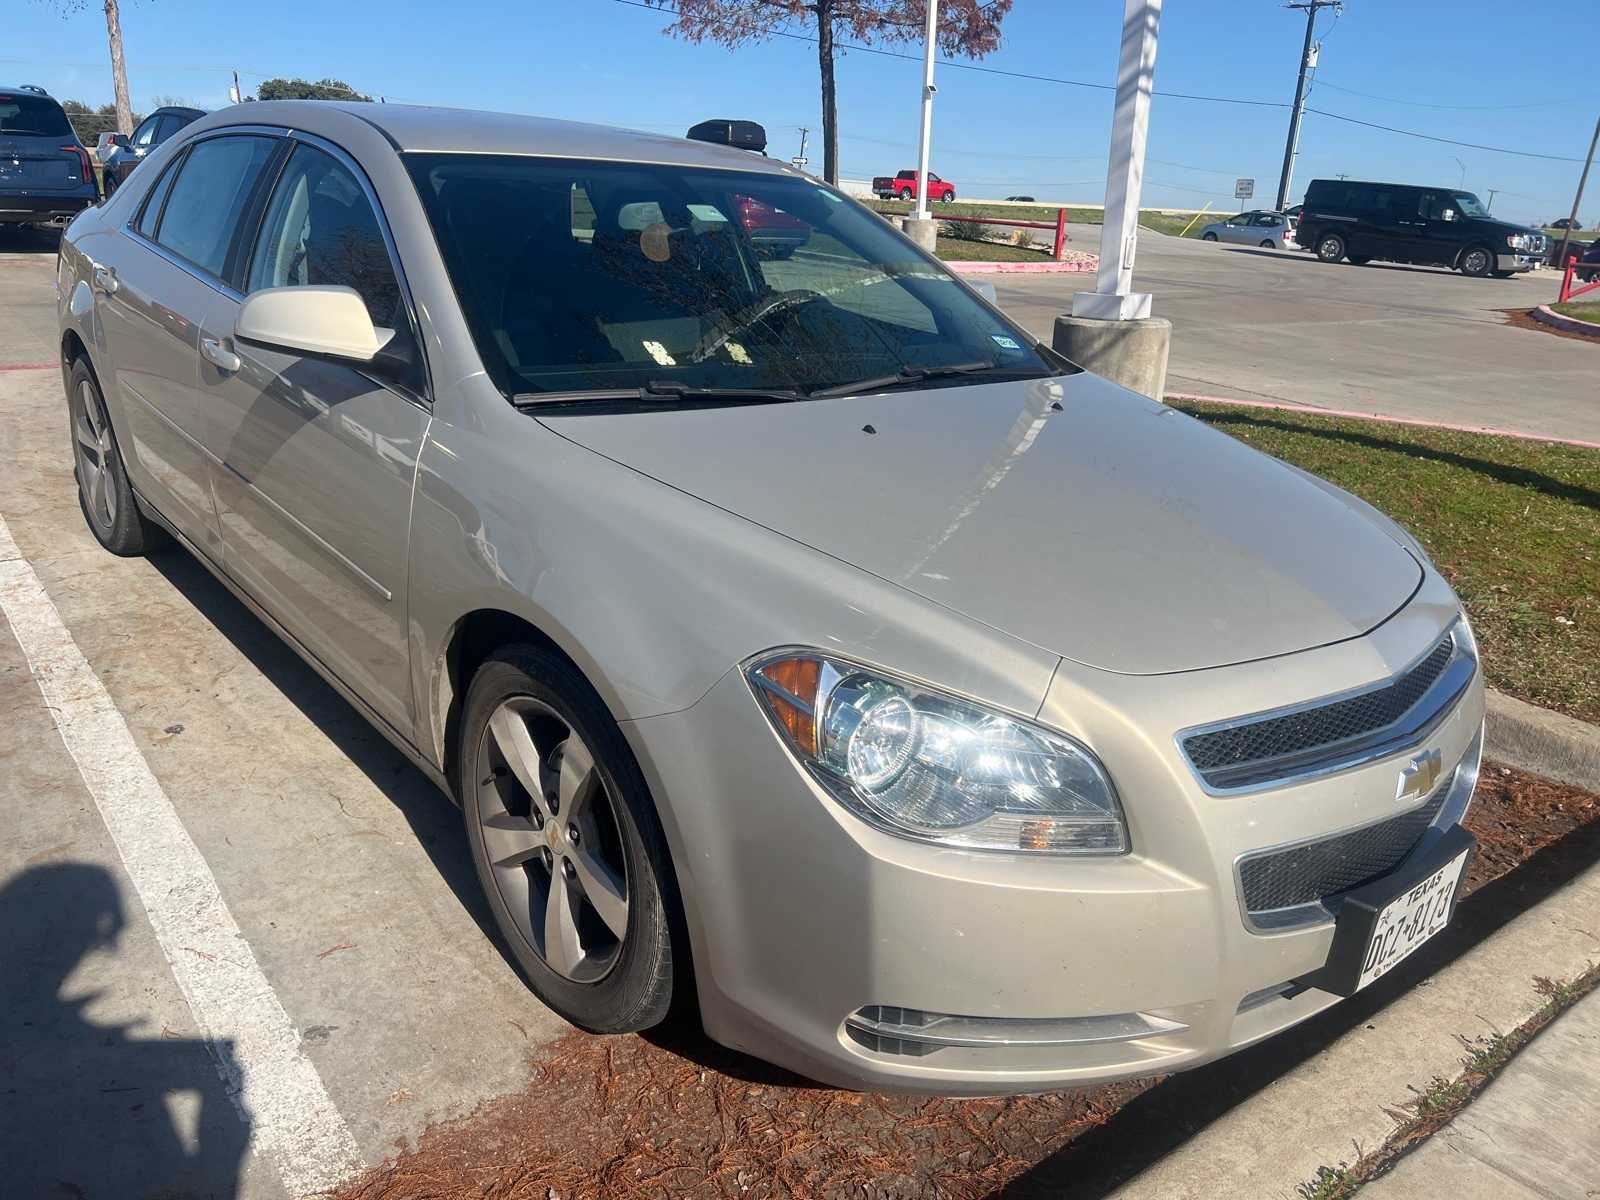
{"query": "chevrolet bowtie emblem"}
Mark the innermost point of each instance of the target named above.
(1419, 776)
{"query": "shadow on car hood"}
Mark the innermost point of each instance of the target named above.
(1117, 532)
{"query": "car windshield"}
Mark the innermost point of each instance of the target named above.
(597, 276)
(33, 114)
(1469, 205)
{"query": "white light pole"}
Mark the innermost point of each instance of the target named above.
(1113, 296)
(930, 39)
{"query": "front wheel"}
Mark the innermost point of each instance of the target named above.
(905, 193)
(1477, 261)
(104, 494)
(1208, 237)
(566, 842)
(1331, 248)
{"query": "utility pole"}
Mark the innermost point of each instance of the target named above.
(119, 68)
(1566, 234)
(930, 38)
(1310, 7)
(800, 160)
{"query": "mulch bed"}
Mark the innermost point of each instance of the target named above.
(1521, 318)
(673, 1115)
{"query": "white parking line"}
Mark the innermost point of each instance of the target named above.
(272, 1082)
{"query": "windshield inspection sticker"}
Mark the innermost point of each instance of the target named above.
(1004, 342)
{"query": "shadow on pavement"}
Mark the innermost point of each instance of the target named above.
(1161, 1119)
(1503, 472)
(91, 1111)
(433, 819)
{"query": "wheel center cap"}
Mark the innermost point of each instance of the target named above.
(552, 833)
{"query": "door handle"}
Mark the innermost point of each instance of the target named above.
(214, 351)
(105, 278)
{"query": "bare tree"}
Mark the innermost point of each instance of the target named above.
(966, 27)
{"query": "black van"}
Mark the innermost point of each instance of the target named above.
(1400, 222)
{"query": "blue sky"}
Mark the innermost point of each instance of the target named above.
(1447, 70)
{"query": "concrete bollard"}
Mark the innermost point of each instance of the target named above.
(1132, 353)
(924, 232)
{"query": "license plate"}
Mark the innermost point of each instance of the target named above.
(1382, 923)
(1410, 920)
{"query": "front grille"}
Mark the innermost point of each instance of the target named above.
(1313, 872)
(1255, 751)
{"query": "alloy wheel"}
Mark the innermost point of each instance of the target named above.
(91, 437)
(553, 839)
(1475, 262)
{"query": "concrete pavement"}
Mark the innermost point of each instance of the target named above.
(1417, 342)
(1530, 1135)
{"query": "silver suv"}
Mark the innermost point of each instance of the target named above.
(784, 619)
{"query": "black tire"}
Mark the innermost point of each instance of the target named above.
(104, 494)
(636, 989)
(1476, 261)
(905, 193)
(1269, 244)
(948, 198)
(1331, 247)
(1359, 260)
(1208, 237)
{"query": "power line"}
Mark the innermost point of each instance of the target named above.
(1107, 87)
(1451, 107)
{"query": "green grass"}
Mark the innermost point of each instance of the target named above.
(1583, 310)
(1514, 525)
(961, 250)
(1161, 222)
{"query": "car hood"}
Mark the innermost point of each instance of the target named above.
(1069, 512)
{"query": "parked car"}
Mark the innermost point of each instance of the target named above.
(1021, 199)
(129, 151)
(46, 177)
(1399, 222)
(773, 232)
(1589, 270)
(1271, 230)
(104, 144)
(1565, 223)
(804, 626)
(904, 187)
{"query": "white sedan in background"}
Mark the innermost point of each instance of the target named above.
(1270, 230)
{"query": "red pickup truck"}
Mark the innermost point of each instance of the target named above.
(904, 187)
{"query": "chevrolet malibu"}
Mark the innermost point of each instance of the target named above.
(797, 634)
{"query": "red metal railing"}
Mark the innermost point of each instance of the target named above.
(1568, 278)
(1059, 252)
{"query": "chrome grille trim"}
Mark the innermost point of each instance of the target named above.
(1445, 807)
(1331, 733)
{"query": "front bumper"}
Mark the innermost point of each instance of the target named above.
(1517, 261)
(824, 946)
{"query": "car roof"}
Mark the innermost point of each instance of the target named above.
(418, 128)
(182, 110)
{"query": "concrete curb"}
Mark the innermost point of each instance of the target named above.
(1331, 1108)
(1556, 320)
(1542, 742)
(1026, 268)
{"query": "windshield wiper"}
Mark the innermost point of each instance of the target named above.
(909, 376)
(672, 389)
(656, 392)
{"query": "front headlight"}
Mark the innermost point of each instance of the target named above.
(923, 764)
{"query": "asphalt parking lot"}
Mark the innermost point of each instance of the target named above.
(344, 870)
(1419, 342)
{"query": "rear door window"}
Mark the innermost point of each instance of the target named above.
(208, 196)
(151, 216)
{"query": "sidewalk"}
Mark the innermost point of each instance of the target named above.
(1530, 1135)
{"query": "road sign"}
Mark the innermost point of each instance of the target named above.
(1244, 189)
(798, 161)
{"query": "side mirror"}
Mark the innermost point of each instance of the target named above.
(328, 322)
(1448, 214)
(120, 140)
